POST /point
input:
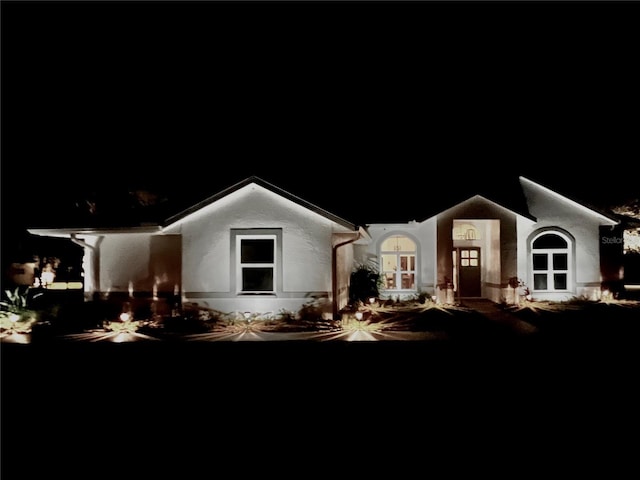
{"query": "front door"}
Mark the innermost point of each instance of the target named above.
(469, 272)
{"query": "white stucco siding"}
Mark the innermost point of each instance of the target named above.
(585, 274)
(306, 241)
(206, 260)
(524, 228)
(586, 247)
(124, 261)
(426, 233)
(491, 259)
(306, 259)
(587, 256)
(553, 210)
(587, 251)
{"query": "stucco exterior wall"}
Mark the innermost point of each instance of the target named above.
(305, 255)
(124, 263)
(428, 275)
(581, 224)
(494, 255)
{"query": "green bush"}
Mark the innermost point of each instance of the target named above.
(366, 282)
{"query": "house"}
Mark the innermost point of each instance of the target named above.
(542, 243)
(255, 247)
(252, 247)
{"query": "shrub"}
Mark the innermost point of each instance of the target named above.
(366, 282)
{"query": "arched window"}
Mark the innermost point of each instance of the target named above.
(465, 231)
(550, 260)
(398, 263)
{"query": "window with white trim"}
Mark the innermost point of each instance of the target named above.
(550, 260)
(256, 263)
(398, 261)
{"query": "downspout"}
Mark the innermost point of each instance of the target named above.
(334, 270)
(457, 275)
(95, 259)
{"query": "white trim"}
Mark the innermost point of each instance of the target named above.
(67, 232)
(550, 271)
(272, 265)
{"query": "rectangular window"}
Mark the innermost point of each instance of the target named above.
(256, 263)
(540, 281)
(256, 250)
(408, 280)
(389, 280)
(540, 261)
(560, 261)
(469, 258)
(257, 279)
(399, 271)
(389, 263)
(560, 281)
(390, 267)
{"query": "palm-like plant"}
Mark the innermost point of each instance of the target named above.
(15, 316)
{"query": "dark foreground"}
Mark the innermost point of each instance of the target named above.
(270, 375)
(182, 410)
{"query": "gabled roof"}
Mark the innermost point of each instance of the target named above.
(481, 197)
(509, 194)
(606, 218)
(264, 184)
(504, 192)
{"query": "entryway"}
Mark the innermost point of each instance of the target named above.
(467, 268)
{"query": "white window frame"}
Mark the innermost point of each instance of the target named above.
(398, 273)
(550, 271)
(241, 266)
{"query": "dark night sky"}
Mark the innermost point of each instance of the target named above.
(339, 103)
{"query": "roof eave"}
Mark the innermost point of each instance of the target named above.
(269, 186)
